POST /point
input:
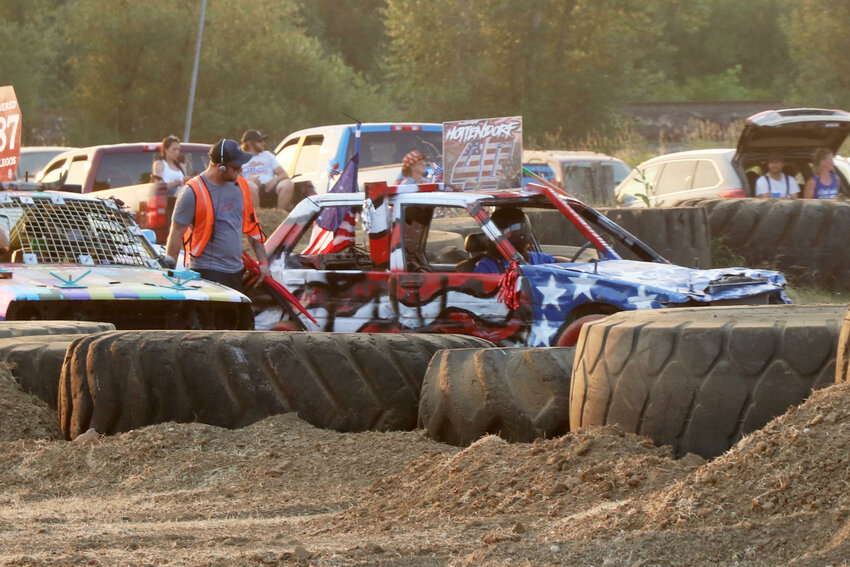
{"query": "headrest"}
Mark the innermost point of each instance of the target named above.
(476, 243)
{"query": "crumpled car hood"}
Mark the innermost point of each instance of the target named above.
(630, 282)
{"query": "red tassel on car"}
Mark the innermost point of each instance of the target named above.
(508, 293)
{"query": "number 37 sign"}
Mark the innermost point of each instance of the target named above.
(10, 133)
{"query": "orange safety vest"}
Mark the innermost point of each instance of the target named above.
(198, 234)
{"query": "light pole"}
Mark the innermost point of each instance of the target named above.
(195, 74)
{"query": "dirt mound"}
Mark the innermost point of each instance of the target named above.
(23, 416)
(282, 492)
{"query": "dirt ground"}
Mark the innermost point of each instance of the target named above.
(282, 492)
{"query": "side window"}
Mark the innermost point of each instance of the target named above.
(678, 176)
(333, 240)
(640, 178)
(78, 170)
(308, 158)
(454, 241)
(706, 175)
(54, 173)
(286, 155)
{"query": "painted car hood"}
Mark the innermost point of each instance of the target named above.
(79, 282)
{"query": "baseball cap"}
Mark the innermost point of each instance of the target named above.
(253, 136)
(411, 158)
(228, 152)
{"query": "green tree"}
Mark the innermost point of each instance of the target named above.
(561, 64)
(820, 51)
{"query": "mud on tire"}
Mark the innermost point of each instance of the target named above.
(520, 394)
(700, 378)
(26, 328)
(345, 381)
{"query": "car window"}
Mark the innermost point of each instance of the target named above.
(445, 242)
(54, 173)
(286, 155)
(389, 148)
(706, 175)
(642, 180)
(540, 169)
(333, 240)
(308, 158)
(78, 170)
(678, 176)
(619, 171)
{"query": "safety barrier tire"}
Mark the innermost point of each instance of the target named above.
(119, 381)
(679, 234)
(36, 362)
(520, 394)
(26, 328)
(804, 238)
(700, 378)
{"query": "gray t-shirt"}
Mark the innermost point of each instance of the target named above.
(223, 252)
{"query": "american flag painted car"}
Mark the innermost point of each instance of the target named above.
(407, 269)
(73, 257)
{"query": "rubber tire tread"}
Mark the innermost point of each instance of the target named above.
(804, 238)
(699, 379)
(28, 328)
(520, 394)
(36, 363)
(123, 380)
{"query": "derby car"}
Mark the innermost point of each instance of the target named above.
(73, 257)
(418, 259)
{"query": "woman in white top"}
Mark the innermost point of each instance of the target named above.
(168, 169)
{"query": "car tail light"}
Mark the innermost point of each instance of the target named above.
(151, 147)
(156, 213)
(732, 194)
(399, 128)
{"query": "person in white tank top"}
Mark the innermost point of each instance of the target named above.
(168, 169)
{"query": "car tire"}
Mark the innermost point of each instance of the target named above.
(36, 362)
(700, 378)
(27, 328)
(520, 394)
(120, 381)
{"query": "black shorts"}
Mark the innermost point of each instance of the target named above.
(233, 280)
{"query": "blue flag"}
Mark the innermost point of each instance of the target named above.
(331, 218)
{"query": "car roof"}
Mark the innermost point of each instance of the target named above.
(369, 127)
(706, 153)
(564, 155)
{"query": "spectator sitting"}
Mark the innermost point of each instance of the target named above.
(823, 184)
(775, 184)
(168, 167)
(269, 182)
(511, 221)
(413, 169)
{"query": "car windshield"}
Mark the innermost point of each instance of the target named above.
(389, 148)
(55, 229)
(30, 163)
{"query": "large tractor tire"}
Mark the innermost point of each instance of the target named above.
(25, 328)
(345, 381)
(701, 378)
(36, 362)
(520, 394)
(804, 238)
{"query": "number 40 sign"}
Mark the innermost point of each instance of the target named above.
(10, 133)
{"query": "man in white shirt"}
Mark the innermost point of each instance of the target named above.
(270, 184)
(776, 184)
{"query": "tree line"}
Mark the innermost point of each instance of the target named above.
(105, 71)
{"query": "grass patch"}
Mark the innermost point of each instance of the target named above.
(812, 296)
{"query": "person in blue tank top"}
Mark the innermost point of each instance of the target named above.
(823, 184)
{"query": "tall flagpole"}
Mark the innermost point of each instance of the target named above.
(195, 74)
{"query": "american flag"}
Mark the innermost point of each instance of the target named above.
(334, 229)
(480, 167)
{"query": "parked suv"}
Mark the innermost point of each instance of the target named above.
(588, 176)
(315, 156)
(793, 133)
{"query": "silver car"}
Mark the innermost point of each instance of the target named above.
(732, 172)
